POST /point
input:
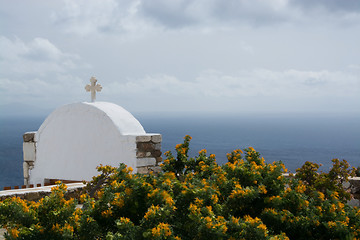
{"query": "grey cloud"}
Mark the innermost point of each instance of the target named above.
(173, 14)
(330, 5)
(124, 16)
(314, 82)
(184, 12)
(252, 12)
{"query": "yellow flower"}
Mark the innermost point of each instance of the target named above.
(68, 227)
(198, 201)
(167, 182)
(235, 220)
(221, 178)
(155, 232)
(106, 213)
(161, 228)
(83, 197)
(14, 232)
(170, 175)
(214, 198)
(335, 195)
(118, 201)
(208, 222)
(124, 220)
(76, 218)
(262, 189)
(39, 228)
(203, 168)
(169, 200)
(262, 227)
(331, 224)
(238, 151)
(300, 188)
(251, 220)
(231, 166)
(128, 191)
(272, 168)
(151, 211)
(100, 194)
(274, 198)
(270, 210)
(333, 208)
(203, 151)
(183, 150)
(55, 227)
(279, 237)
(319, 208)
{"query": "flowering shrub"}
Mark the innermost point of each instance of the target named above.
(327, 183)
(193, 198)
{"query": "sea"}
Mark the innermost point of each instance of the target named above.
(290, 138)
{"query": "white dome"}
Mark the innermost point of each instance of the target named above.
(125, 122)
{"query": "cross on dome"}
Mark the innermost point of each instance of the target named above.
(93, 88)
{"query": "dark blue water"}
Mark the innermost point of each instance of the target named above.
(11, 131)
(292, 139)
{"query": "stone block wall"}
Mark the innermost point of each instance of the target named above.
(29, 154)
(148, 153)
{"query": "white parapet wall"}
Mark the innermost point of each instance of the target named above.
(37, 193)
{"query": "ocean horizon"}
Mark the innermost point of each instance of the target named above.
(290, 138)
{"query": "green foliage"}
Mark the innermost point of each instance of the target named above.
(327, 183)
(357, 172)
(194, 198)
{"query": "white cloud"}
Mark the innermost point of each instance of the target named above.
(259, 82)
(109, 16)
(37, 57)
(41, 49)
(36, 70)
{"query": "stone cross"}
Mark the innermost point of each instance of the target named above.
(93, 88)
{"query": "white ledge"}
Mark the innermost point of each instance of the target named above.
(70, 186)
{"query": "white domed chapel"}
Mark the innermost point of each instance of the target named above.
(76, 138)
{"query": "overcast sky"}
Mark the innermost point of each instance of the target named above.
(181, 55)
